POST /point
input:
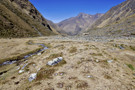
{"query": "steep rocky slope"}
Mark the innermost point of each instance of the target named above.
(74, 25)
(54, 26)
(19, 18)
(119, 20)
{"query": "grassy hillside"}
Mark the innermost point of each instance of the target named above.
(17, 21)
(118, 21)
(123, 27)
(116, 13)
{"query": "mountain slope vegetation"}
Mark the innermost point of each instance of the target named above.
(118, 21)
(22, 19)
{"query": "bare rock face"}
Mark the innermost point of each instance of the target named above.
(75, 25)
(19, 18)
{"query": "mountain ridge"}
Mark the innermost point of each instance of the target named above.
(117, 12)
(22, 19)
(118, 21)
(74, 25)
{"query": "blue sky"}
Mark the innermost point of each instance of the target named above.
(58, 10)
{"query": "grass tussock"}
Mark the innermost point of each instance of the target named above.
(131, 66)
(62, 47)
(48, 45)
(104, 64)
(45, 73)
(30, 64)
(107, 76)
(132, 48)
(96, 54)
(79, 62)
(81, 84)
(120, 46)
(52, 56)
(72, 50)
(29, 42)
(86, 45)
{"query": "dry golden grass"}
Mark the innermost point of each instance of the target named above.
(16, 23)
(107, 76)
(15, 49)
(81, 84)
(55, 55)
(80, 71)
(72, 50)
(45, 73)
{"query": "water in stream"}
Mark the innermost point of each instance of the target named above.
(27, 56)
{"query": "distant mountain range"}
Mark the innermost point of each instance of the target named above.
(19, 18)
(118, 21)
(75, 25)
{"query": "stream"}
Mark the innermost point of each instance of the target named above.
(27, 56)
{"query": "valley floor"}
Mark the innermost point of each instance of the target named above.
(90, 64)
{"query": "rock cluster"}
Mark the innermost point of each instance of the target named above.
(55, 61)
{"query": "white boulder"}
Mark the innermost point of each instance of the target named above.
(60, 59)
(97, 61)
(109, 61)
(32, 77)
(89, 76)
(39, 54)
(55, 61)
(21, 71)
(50, 63)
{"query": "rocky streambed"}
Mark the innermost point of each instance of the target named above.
(26, 56)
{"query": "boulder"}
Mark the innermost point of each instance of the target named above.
(60, 59)
(89, 76)
(50, 63)
(32, 77)
(97, 61)
(39, 54)
(21, 71)
(55, 61)
(109, 61)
